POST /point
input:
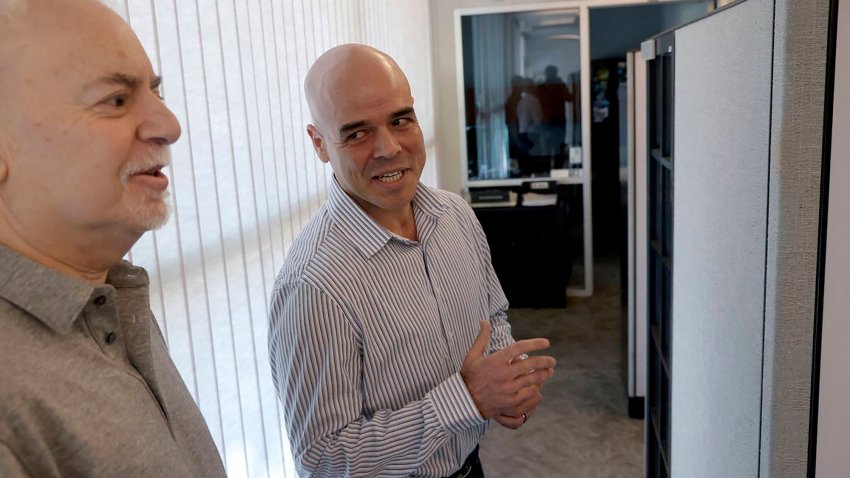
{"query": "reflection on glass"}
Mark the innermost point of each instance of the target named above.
(522, 80)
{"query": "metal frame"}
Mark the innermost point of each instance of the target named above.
(640, 221)
(637, 204)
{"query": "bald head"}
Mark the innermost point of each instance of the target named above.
(22, 17)
(9, 7)
(13, 8)
(27, 27)
(10, 10)
(341, 71)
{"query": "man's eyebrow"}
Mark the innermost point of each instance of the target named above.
(129, 81)
(347, 127)
(403, 112)
(351, 127)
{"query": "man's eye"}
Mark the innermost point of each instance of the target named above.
(158, 93)
(356, 136)
(116, 101)
(402, 121)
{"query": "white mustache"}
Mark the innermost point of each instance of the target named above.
(153, 158)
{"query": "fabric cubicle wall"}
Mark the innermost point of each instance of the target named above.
(748, 129)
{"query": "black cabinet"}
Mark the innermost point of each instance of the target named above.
(530, 252)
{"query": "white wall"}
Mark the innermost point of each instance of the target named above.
(563, 54)
(634, 24)
(673, 17)
(833, 461)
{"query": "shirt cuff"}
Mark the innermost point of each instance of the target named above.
(454, 405)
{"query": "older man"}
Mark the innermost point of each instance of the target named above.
(375, 312)
(86, 387)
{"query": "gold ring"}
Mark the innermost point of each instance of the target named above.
(524, 418)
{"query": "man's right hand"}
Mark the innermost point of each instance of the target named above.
(501, 386)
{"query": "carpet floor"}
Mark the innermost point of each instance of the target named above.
(582, 428)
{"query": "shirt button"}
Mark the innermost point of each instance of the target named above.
(110, 337)
(99, 300)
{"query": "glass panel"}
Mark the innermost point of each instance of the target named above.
(522, 75)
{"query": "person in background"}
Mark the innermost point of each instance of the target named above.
(530, 116)
(515, 148)
(554, 95)
(87, 387)
(388, 339)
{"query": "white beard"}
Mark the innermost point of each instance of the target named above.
(152, 211)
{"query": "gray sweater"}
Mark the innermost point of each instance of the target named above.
(86, 384)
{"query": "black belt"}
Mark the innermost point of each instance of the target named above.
(470, 468)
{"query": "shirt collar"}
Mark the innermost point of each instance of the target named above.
(55, 298)
(365, 233)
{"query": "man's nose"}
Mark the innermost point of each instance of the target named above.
(386, 144)
(159, 124)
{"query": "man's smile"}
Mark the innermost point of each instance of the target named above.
(391, 177)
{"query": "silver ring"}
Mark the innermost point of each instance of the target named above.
(524, 418)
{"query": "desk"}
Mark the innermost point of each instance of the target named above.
(577, 185)
(530, 251)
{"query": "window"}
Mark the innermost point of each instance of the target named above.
(244, 181)
(521, 79)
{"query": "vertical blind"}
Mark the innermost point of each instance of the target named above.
(244, 182)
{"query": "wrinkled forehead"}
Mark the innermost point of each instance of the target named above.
(90, 20)
(68, 39)
(353, 91)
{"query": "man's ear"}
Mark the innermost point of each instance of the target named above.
(318, 143)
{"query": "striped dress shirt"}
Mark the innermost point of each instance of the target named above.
(367, 335)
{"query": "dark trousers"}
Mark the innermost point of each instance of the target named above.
(471, 467)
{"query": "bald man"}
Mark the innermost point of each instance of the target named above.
(389, 344)
(87, 388)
